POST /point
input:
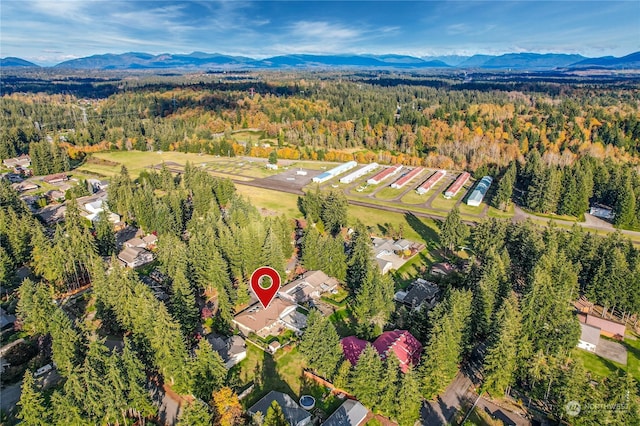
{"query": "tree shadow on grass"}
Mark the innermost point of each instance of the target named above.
(428, 234)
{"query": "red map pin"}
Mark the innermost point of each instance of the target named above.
(265, 295)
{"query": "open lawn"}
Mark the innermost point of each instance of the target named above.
(280, 202)
(604, 368)
(601, 367)
(415, 228)
(493, 212)
(281, 372)
(471, 210)
(136, 161)
(442, 203)
(415, 267)
(412, 197)
(389, 193)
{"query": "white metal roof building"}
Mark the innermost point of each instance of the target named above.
(480, 191)
(358, 173)
(323, 177)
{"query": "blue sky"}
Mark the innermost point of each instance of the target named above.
(50, 31)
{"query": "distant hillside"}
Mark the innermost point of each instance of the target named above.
(135, 60)
(532, 61)
(204, 61)
(10, 61)
(363, 61)
(631, 61)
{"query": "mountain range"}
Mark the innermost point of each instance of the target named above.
(201, 60)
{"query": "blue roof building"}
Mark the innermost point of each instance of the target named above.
(480, 191)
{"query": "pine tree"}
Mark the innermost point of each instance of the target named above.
(391, 379)
(334, 211)
(105, 237)
(208, 371)
(373, 303)
(320, 344)
(64, 410)
(32, 409)
(447, 342)
(453, 232)
(367, 378)
(625, 206)
(360, 263)
(409, 399)
(502, 198)
(501, 360)
(275, 416)
(183, 302)
(194, 414)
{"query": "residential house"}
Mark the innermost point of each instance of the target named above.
(442, 269)
(22, 161)
(419, 293)
(56, 178)
(607, 327)
(134, 257)
(54, 195)
(589, 337)
(279, 315)
(24, 186)
(150, 240)
(135, 242)
(232, 349)
(350, 413)
(6, 320)
(309, 286)
(389, 254)
(293, 413)
(399, 342)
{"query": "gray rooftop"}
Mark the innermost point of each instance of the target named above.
(350, 413)
(590, 334)
(292, 411)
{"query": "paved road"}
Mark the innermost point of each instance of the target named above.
(462, 392)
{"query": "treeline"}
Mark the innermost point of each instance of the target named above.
(414, 124)
(571, 188)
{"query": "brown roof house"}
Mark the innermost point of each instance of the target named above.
(309, 286)
(134, 257)
(23, 161)
(56, 178)
(607, 327)
(279, 315)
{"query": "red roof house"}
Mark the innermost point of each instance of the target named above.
(406, 347)
(352, 347)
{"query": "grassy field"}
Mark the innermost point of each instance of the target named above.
(389, 193)
(604, 368)
(442, 203)
(281, 372)
(412, 197)
(280, 202)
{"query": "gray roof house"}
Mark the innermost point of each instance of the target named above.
(295, 415)
(419, 293)
(135, 256)
(232, 349)
(308, 286)
(350, 413)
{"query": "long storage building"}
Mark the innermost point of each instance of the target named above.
(388, 172)
(329, 174)
(407, 178)
(431, 182)
(456, 185)
(480, 191)
(358, 173)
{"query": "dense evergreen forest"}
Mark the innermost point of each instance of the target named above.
(557, 134)
(552, 151)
